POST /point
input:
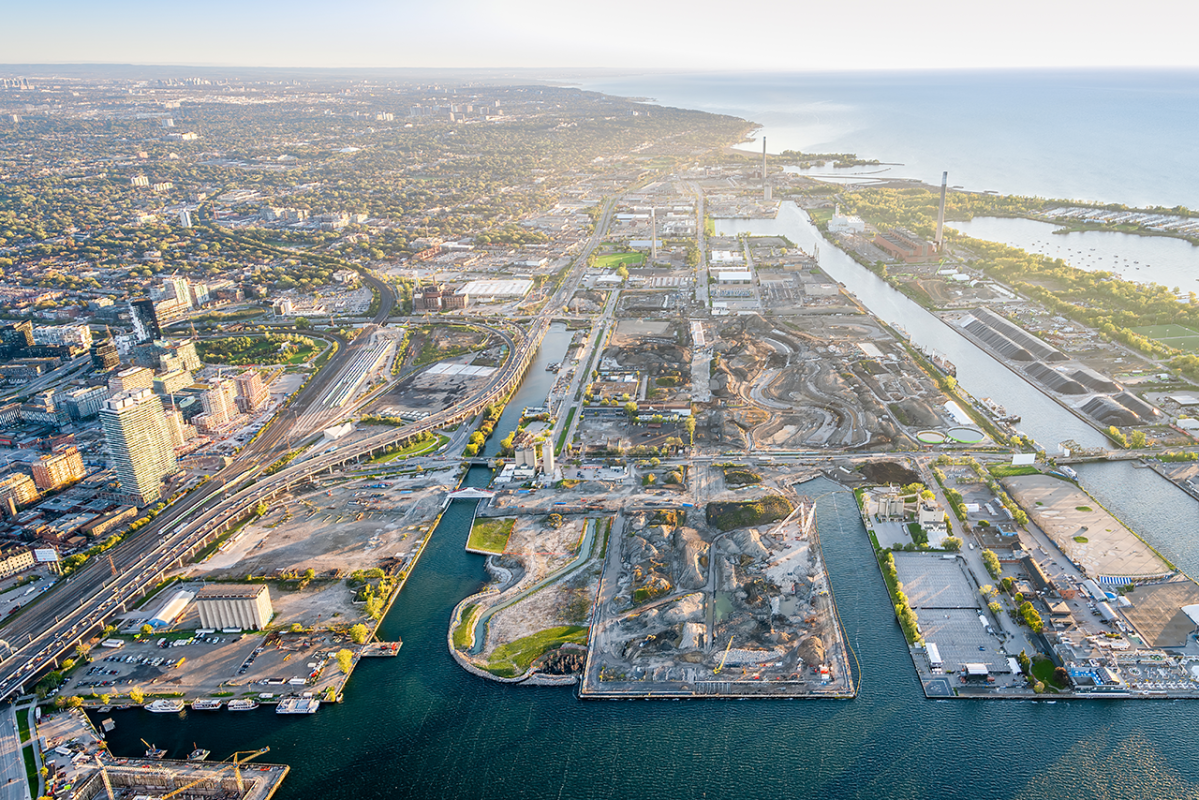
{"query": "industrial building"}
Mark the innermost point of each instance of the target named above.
(492, 289)
(139, 443)
(905, 245)
(172, 610)
(244, 607)
(533, 453)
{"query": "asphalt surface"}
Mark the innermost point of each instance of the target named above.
(75, 608)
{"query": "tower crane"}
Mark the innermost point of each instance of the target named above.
(235, 766)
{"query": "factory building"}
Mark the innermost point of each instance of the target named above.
(244, 607)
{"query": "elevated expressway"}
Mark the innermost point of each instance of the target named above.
(48, 631)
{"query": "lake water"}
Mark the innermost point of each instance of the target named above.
(417, 726)
(1117, 137)
(1146, 259)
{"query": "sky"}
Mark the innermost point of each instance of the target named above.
(612, 34)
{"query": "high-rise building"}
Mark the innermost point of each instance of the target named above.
(17, 487)
(185, 218)
(17, 336)
(129, 379)
(171, 382)
(180, 431)
(58, 469)
(145, 320)
(105, 355)
(139, 443)
(219, 402)
(60, 335)
(251, 394)
(180, 289)
(86, 402)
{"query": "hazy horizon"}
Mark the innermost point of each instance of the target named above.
(624, 35)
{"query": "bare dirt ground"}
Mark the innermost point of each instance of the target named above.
(342, 529)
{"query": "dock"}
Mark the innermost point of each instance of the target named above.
(381, 649)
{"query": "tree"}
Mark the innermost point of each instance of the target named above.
(146, 630)
(1138, 439)
(689, 426)
(952, 544)
(995, 607)
(345, 661)
(623, 272)
(137, 695)
(82, 649)
(303, 323)
(309, 574)
(630, 408)
(1061, 677)
(359, 634)
(1024, 661)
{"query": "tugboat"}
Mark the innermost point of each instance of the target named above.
(199, 754)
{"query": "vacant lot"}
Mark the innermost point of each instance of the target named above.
(490, 535)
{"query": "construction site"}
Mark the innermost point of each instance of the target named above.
(791, 388)
(734, 603)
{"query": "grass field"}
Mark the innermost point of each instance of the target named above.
(490, 535)
(1179, 337)
(510, 660)
(614, 260)
(414, 449)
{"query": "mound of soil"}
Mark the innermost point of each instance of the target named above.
(888, 472)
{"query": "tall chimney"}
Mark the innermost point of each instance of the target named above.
(653, 236)
(765, 185)
(941, 213)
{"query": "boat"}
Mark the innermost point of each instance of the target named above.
(381, 649)
(242, 705)
(107, 724)
(152, 751)
(199, 754)
(207, 704)
(298, 705)
(165, 706)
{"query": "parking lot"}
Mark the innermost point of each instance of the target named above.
(218, 665)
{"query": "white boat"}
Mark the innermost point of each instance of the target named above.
(165, 706)
(242, 705)
(298, 705)
(207, 704)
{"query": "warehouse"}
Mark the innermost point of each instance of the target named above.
(245, 607)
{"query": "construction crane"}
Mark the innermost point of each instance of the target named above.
(104, 777)
(235, 766)
(724, 657)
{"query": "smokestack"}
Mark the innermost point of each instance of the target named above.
(653, 236)
(941, 213)
(765, 185)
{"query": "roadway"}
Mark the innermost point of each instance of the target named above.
(108, 585)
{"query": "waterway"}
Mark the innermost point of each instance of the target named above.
(536, 385)
(978, 371)
(417, 726)
(1173, 263)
